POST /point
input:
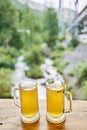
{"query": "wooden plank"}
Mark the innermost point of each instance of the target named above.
(10, 117)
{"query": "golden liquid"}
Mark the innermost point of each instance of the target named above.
(29, 102)
(55, 102)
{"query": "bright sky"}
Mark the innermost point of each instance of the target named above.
(65, 3)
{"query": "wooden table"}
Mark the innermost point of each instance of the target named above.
(10, 117)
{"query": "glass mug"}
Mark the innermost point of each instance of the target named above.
(55, 96)
(28, 101)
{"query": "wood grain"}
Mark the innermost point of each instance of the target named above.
(10, 117)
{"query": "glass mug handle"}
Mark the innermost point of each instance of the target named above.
(67, 93)
(15, 98)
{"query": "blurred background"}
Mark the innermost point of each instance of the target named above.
(43, 39)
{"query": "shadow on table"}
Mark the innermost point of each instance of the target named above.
(32, 126)
(60, 126)
(43, 125)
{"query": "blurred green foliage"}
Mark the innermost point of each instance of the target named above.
(61, 39)
(8, 57)
(74, 41)
(57, 52)
(34, 72)
(56, 55)
(8, 21)
(31, 27)
(51, 26)
(5, 83)
(22, 31)
(16, 40)
(11, 51)
(60, 65)
(7, 62)
(81, 71)
(34, 56)
(80, 27)
(84, 89)
(72, 91)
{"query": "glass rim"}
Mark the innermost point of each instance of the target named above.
(52, 81)
(28, 84)
(55, 85)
